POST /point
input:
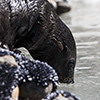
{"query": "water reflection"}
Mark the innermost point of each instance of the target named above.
(84, 21)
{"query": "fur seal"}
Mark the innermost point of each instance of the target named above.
(40, 30)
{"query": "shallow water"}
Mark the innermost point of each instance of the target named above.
(84, 22)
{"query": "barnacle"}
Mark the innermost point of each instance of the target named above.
(61, 95)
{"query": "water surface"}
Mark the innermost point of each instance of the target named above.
(84, 22)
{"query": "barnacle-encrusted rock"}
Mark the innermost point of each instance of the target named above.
(60, 95)
(36, 73)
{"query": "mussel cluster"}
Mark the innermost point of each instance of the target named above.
(26, 70)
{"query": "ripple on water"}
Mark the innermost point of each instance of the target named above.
(86, 34)
(85, 47)
(93, 77)
(87, 58)
(83, 68)
(88, 43)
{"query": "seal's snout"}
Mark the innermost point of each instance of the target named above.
(68, 80)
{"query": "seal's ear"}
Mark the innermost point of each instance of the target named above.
(60, 45)
(15, 93)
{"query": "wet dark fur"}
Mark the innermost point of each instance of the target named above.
(35, 26)
(5, 33)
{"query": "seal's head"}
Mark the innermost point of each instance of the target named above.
(64, 64)
(61, 56)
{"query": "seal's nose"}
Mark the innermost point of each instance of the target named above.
(69, 80)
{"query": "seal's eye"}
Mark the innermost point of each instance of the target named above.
(71, 63)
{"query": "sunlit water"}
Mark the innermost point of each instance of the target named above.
(84, 22)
